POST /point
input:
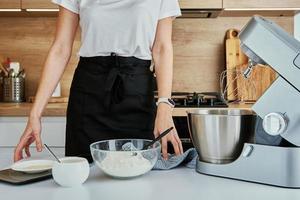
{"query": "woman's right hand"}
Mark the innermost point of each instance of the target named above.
(31, 134)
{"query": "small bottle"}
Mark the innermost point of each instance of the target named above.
(57, 91)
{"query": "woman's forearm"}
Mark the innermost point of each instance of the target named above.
(163, 60)
(164, 70)
(55, 64)
(53, 69)
(57, 59)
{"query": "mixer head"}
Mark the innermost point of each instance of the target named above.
(255, 59)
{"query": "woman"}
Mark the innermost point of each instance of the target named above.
(112, 92)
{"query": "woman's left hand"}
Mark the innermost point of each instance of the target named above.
(164, 121)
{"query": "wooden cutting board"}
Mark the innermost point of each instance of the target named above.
(236, 61)
(234, 57)
(261, 78)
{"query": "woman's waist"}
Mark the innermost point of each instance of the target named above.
(123, 64)
(143, 54)
(114, 73)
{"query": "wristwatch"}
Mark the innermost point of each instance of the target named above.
(166, 100)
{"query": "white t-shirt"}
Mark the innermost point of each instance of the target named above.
(124, 27)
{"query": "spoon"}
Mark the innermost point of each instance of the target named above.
(163, 134)
(11, 73)
(21, 73)
(52, 153)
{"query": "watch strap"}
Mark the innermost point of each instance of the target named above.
(166, 100)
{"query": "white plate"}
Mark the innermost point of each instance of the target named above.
(33, 166)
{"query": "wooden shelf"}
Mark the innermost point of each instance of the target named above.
(23, 109)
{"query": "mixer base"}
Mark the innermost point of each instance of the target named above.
(272, 165)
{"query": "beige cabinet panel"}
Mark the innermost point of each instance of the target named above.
(200, 3)
(10, 4)
(38, 4)
(261, 4)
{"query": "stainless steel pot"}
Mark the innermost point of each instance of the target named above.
(219, 135)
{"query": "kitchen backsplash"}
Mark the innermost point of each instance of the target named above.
(198, 49)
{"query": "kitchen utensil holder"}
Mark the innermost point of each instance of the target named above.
(13, 89)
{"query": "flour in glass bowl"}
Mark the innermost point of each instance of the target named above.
(124, 164)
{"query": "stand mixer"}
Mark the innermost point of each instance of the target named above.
(264, 42)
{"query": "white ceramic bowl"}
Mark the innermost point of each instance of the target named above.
(71, 171)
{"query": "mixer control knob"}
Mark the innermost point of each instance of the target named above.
(275, 123)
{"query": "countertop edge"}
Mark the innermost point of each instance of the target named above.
(60, 109)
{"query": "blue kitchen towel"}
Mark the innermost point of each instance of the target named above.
(188, 158)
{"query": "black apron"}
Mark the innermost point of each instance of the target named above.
(111, 97)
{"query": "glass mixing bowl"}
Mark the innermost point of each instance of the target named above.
(123, 158)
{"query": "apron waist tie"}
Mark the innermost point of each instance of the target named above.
(114, 86)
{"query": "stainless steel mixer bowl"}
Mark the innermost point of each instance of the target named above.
(218, 135)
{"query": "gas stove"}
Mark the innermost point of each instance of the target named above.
(197, 100)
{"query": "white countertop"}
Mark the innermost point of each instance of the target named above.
(181, 183)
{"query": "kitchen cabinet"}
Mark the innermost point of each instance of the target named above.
(53, 130)
(10, 4)
(199, 4)
(38, 4)
(261, 4)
